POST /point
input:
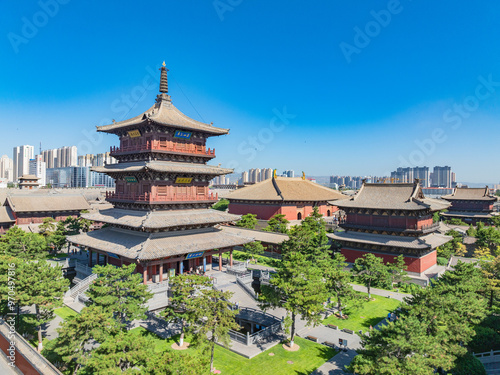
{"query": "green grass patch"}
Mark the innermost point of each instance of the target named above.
(369, 314)
(310, 356)
(65, 312)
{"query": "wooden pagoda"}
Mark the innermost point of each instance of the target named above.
(161, 219)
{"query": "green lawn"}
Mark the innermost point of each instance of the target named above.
(65, 312)
(306, 360)
(367, 315)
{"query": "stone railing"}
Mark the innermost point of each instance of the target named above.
(82, 286)
(244, 282)
(83, 269)
(150, 198)
(488, 357)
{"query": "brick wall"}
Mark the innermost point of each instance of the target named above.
(414, 264)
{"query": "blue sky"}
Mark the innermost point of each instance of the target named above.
(327, 87)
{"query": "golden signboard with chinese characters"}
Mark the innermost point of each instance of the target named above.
(183, 180)
(134, 133)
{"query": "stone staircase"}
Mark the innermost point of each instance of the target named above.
(71, 298)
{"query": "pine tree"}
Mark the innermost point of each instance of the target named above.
(183, 306)
(369, 269)
(119, 291)
(338, 283)
(122, 353)
(278, 223)
(43, 286)
(177, 363)
(491, 272)
(248, 221)
(218, 319)
(298, 288)
(78, 334)
(397, 269)
(18, 243)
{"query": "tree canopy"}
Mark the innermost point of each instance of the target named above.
(278, 223)
(248, 221)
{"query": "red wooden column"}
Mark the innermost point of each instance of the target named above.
(220, 260)
(161, 272)
(145, 274)
(231, 258)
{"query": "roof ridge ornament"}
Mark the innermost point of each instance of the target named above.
(163, 79)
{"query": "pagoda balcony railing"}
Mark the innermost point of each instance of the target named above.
(410, 229)
(151, 198)
(157, 145)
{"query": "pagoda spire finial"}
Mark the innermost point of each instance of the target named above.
(163, 79)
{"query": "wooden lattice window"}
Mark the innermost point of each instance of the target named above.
(182, 190)
(162, 190)
(200, 190)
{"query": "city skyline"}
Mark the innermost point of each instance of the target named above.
(399, 97)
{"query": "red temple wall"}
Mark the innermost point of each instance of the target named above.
(34, 218)
(22, 364)
(114, 261)
(471, 206)
(414, 264)
(399, 222)
(267, 211)
(263, 211)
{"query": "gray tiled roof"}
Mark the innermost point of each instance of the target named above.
(149, 246)
(6, 215)
(46, 203)
(160, 219)
(392, 196)
(292, 189)
(429, 241)
(258, 235)
(471, 194)
(163, 166)
(472, 215)
(163, 112)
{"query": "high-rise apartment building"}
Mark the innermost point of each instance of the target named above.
(244, 176)
(104, 159)
(87, 160)
(7, 168)
(21, 160)
(442, 177)
(38, 168)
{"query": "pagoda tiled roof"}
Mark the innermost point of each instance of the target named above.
(429, 241)
(29, 177)
(286, 189)
(164, 113)
(162, 166)
(150, 220)
(149, 246)
(400, 196)
(481, 194)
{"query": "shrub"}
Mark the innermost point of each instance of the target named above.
(442, 261)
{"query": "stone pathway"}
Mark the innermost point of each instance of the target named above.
(381, 292)
(336, 365)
